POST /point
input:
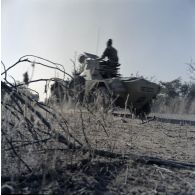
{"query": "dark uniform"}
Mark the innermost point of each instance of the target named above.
(109, 68)
(111, 53)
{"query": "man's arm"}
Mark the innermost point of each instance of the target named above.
(103, 55)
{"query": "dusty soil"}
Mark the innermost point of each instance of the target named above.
(77, 172)
(125, 135)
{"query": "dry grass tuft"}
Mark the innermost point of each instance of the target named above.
(72, 149)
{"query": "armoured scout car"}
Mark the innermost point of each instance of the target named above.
(91, 87)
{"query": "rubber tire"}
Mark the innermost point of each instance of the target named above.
(101, 99)
(78, 85)
(145, 110)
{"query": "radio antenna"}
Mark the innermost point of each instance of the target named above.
(98, 39)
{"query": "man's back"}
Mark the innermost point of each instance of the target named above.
(111, 53)
(109, 68)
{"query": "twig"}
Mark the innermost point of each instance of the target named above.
(83, 130)
(31, 143)
(39, 63)
(126, 175)
(4, 71)
(14, 151)
(98, 121)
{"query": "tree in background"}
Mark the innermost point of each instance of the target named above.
(176, 97)
(191, 69)
(171, 88)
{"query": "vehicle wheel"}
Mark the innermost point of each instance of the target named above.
(144, 111)
(76, 89)
(59, 91)
(147, 108)
(101, 99)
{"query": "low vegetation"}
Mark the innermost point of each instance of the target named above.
(64, 148)
(176, 97)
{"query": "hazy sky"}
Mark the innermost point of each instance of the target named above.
(153, 37)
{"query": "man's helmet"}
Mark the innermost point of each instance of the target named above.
(109, 43)
(81, 59)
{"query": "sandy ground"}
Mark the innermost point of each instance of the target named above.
(157, 139)
(175, 116)
(169, 141)
(75, 172)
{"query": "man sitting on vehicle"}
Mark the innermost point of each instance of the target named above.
(109, 68)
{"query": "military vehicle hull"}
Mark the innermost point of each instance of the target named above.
(135, 94)
(90, 87)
